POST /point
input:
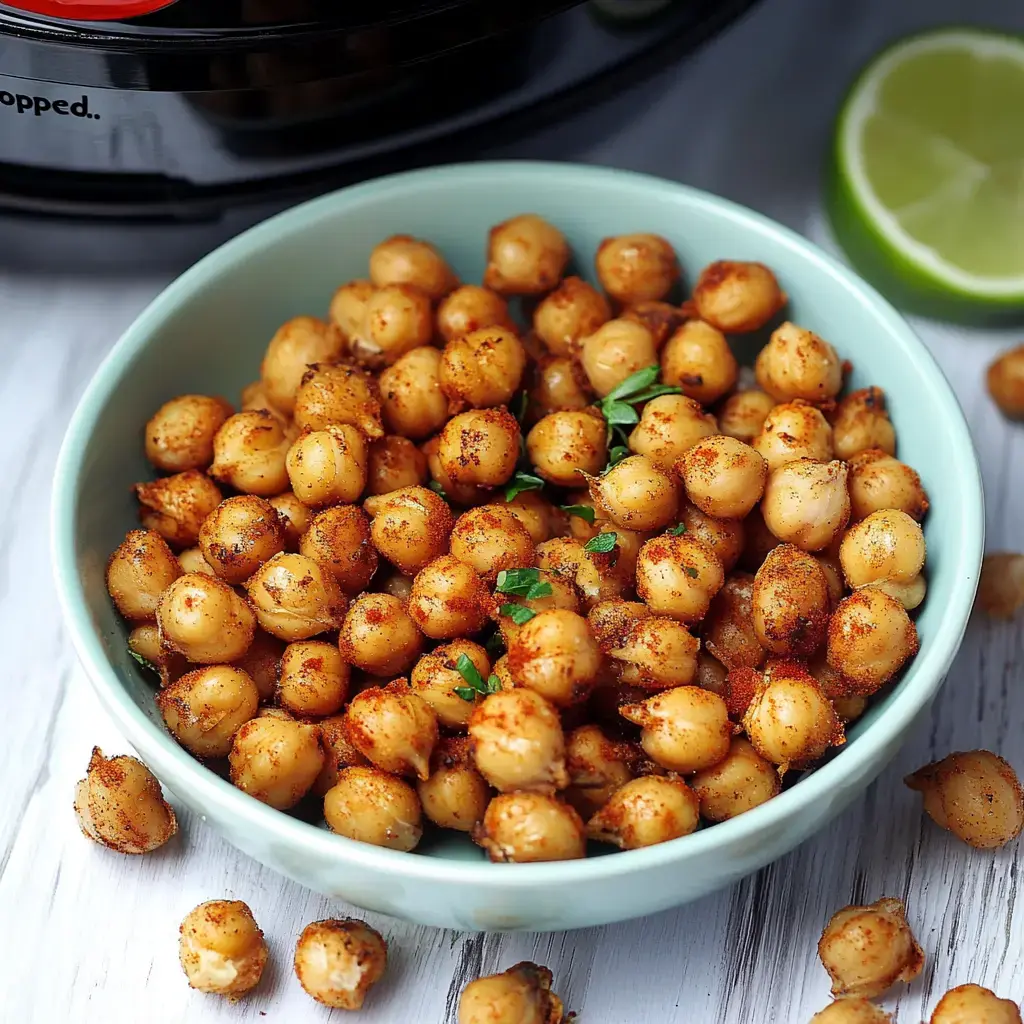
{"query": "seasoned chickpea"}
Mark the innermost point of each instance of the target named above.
(742, 414)
(192, 560)
(851, 1011)
(866, 950)
(975, 795)
(678, 576)
(697, 358)
(138, 572)
(448, 599)
(413, 403)
(465, 495)
(806, 503)
(249, 453)
(338, 394)
(179, 436)
(120, 805)
(796, 363)
(482, 369)
(339, 539)
(294, 517)
(347, 310)
(615, 351)
(741, 781)
(397, 319)
(205, 708)
(295, 597)
(637, 267)
(656, 653)
(737, 296)
(885, 546)
(238, 536)
(569, 314)
(455, 795)
(662, 319)
(394, 728)
(480, 447)
(537, 514)
(728, 631)
(1001, 589)
(595, 574)
(726, 537)
(175, 506)
(329, 466)
(221, 948)
(636, 495)
(314, 679)
(597, 766)
(339, 754)
(254, 396)
(794, 430)
(670, 425)
(402, 259)
(394, 462)
(555, 655)
(490, 539)
(525, 256)
(204, 619)
(860, 422)
(262, 663)
(646, 811)
(843, 692)
(879, 481)
(297, 344)
(561, 595)
(684, 729)
(517, 742)
(338, 961)
(723, 477)
(411, 527)
(1005, 381)
(276, 760)
(471, 308)
(611, 620)
(435, 678)
(522, 994)
(371, 806)
(972, 1004)
(870, 636)
(563, 445)
(526, 827)
(559, 384)
(379, 636)
(790, 602)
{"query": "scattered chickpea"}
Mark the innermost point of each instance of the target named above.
(296, 597)
(1005, 381)
(204, 619)
(338, 539)
(794, 430)
(572, 312)
(347, 310)
(412, 401)
(886, 546)
(697, 358)
(806, 503)
(221, 949)
(455, 795)
(566, 444)
(670, 425)
(249, 453)
(297, 343)
(239, 535)
(796, 363)
(878, 481)
(138, 572)
(637, 267)
(743, 413)
(206, 707)
(742, 780)
(379, 636)
(614, 351)
(175, 506)
(790, 602)
(520, 995)
(972, 1004)
(397, 319)
(726, 537)
(1001, 590)
(402, 259)
(678, 576)
(523, 827)
(276, 760)
(636, 495)
(555, 655)
(471, 308)
(559, 385)
(861, 422)
(314, 679)
(393, 728)
(482, 369)
(372, 806)
(656, 653)
(723, 477)
(736, 296)
(851, 1011)
(646, 811)
(338, 962)
(448, 599)
(480, 447)
(294, 517)
(179, 436)
(525, 256)
(489, 539)
(329, 466)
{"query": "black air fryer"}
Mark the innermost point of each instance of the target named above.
(144, 132)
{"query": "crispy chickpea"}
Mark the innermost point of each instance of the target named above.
(1001, 588)
(394, 462)
(656, 653)
(972, 1004)
(339, 754)
(262, 663)
(723, 477)
(729, 632)
(411, 527)
(737, 296)
(697, 358)
(295, 597)
(517, 742)
(179, 436)
(482, 369)
(120, 805)
(670, 425)
(490, 539)
(975, 795)
(402, 259)
(249, 453)
(413, 403)
(339, 539)
(555, 655)
(565, 444)
(294, 517)
(465, 495)
(678, 576)
(239, 535)
(175, 506)
(397, 318)
(866, 950)
(794, 430)
(637, 267)
(646, 811)
(192, 560)
(741, 781)
(569, 314)
(338, 961)
(1005, 381)
(796, 363)
(595, 574)
(559, 384)
(297, 344)
(347, 311)
(683, 729)
(393, 728)
(448, 599)
(525, 256)
(742, 414)
(221, 948)
(204, 619)
(806, 503)
(435, 678)
(480, 447)
(910, 593)
(138, 572)
(870, 636)
(636, 495)
(597, 766)
(471, 308)
(611, 620)
(662, 319)
(851, 1011)
(379, 636)
(374, 807)
(885, 546)
(455, 795)
(536, 513)
(615, 351)
(314, 679)
(338, 394)
(276, 760)
(860, 422)
(328, 467)
(790, 602)
(878, 481)
(726, 537)
(205, 708)
(849, 704)
(526, 827)
(520, 995)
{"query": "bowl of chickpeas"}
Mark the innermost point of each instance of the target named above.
(517, 546)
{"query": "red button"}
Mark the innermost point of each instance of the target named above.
(90, 10)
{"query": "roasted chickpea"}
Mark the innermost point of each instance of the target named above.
(878, 481)
(314, 679)
(670, 425)
(138, 572)
(741, 781)
(678, 576)
(559, 384)
(697, 358)
(205, 708)
(1005, 381)
(517, 742)
(525, 827)
(480, 447)
(522, 994)
(737, 296)
(329, 466)
(975, 795)
(339, 539)
(471, 308)
(490, 539)
(726, 537)
(411, 526)
(870, 636)
(1001, 588)
(790, 602)
(806, 503)
(296, 345)
(597, 766)
(295, 597)
(794, 430)
(338, 961)
(972, 1004)
(595, 574)
(276, 760)
(464, 495)
(723, 477)
(175, 506)
(249, 453)
(555, 655)
(866, 950)
(413, 403)
(262, 663)
(525, 256)
(796, 363)
(435, 678)
(536, 513)
(646, 811)
(347, 311)
(397, 319)
(728, 631)
(294, 517)
(379, 636)
(656, 653)
(339, 754)
(221, 948)
(860, 422)
(885, 546)
(637, 267)
(192, 560)
(238, 536)
(455, 795)
(561, 595)
(636, 495)
(145, 647)
(843, 692)
(570, 313)
(254, 396)
(204, 619)
(179, 436)
(563, 445)
(661, 318)
(615, 351)
(851, 1011)
(395, 462)
(448, 599)
(403, 259)
(371, 806)
(338, 394)
(482, 369)
(394, 728)
(683, 729)
(742, 414)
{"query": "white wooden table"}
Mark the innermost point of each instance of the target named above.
(89, 936)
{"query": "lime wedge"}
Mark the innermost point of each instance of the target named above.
(926, 184)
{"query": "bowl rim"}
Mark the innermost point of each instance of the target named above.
(169, 760)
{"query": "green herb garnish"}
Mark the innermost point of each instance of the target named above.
(615, 456)
(144, 662)
(518, 405)
(582, 511)
(523, 583)
(518, 613)
(678, 529)
(522, 482)
(494, 645)
(602, 543)
(477, 686)
(437, 489)
(691, 572)
(618, 405)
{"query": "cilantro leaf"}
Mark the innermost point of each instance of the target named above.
(465, 692)
(616, 455)
(522, 482)
(619, 413)
(518, 405)
(437, 489)
(584, 512)
(518, 581)
(493, 684)
(518, 613)
(542, 589)
(470, 673)
(602, 543)
(634, 383)
(495, 646)
(691, 572)
(144, 662)
(678, 529)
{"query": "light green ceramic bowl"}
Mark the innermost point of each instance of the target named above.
(206, 333)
